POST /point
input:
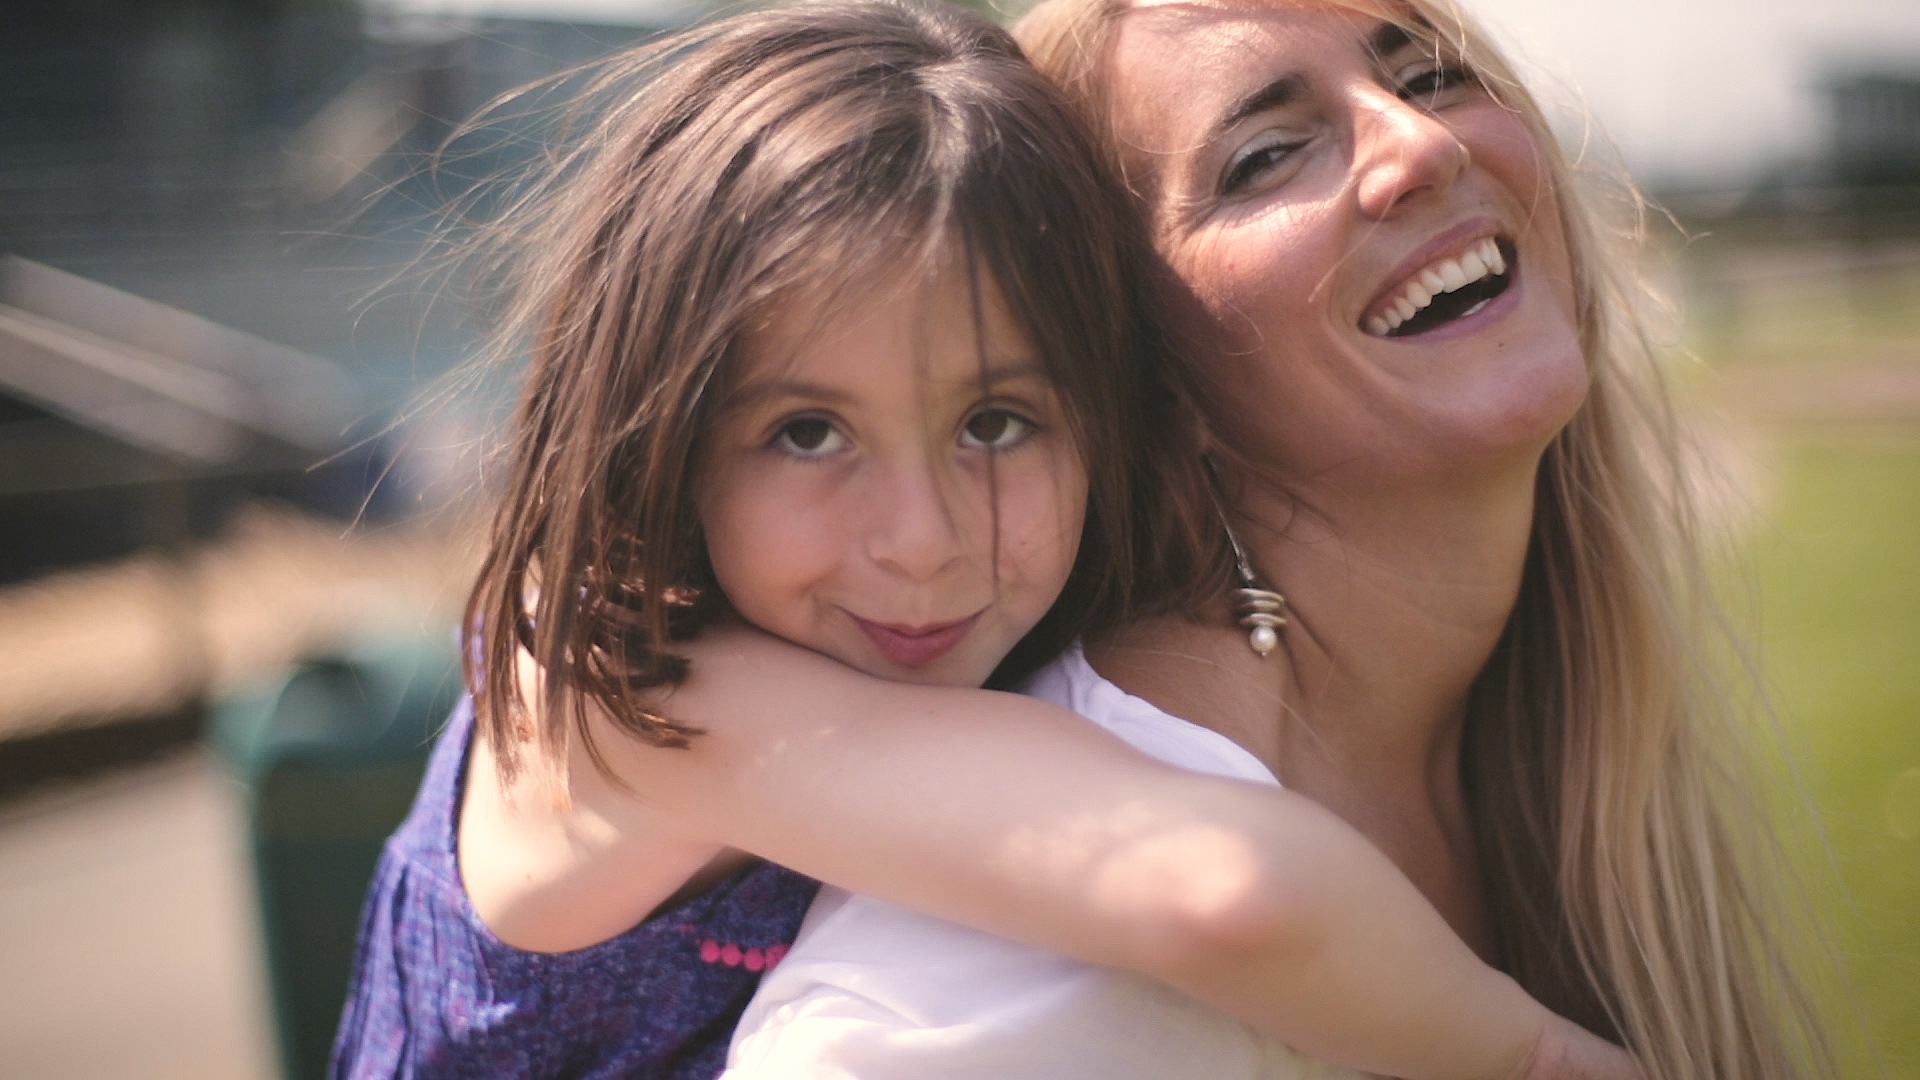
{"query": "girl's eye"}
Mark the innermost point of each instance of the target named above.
(809, 436)
(995, 429)
(1246, 168)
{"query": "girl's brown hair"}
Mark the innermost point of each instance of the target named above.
(814, 149)
(1628, 863)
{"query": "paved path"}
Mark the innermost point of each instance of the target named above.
(127, 948)
(144, 636)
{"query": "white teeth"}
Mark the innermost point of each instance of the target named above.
(1490, 254)
(1444, 276)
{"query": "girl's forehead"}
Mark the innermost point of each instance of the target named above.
(907, 311)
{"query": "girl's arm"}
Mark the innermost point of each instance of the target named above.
(1013, 816)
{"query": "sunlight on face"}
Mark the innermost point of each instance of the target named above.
(1369, 240)
(865, 467)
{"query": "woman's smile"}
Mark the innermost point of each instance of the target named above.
(1441, 290)
(1356, 221)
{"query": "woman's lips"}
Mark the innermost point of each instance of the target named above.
(912, 646)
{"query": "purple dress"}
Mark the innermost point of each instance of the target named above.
(435, 994)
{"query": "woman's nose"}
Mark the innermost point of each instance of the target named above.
(917, 529)
(1401, 151)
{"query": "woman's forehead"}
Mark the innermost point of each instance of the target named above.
(1195, 28)
(1176, 67)
(1175, 64)
(1377, 9)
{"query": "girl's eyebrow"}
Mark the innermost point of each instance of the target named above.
(1011, 370)
(770, 389)
(764, 390)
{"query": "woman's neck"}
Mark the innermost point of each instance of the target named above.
(1395, 605)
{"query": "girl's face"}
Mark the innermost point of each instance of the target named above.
(887, 490)
(1370, 242)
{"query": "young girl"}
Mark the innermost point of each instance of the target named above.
(839, 330)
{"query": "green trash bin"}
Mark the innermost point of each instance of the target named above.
(328, 756)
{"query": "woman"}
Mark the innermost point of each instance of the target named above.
(1475, 508)
(1443, 440)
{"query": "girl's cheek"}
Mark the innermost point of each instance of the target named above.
(1043, 513)
(754, 507)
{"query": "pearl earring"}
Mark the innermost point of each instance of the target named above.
(1261, 611)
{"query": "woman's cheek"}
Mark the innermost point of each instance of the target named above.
(1248, 279)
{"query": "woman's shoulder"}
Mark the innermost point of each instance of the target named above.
(1071, 682)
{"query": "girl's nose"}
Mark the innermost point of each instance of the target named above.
(1400, 151)
(917, 529)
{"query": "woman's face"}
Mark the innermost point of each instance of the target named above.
(1369, 241)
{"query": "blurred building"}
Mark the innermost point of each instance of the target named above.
(266, 172)
(1876, 128)
(1859, 189)
(223, 230)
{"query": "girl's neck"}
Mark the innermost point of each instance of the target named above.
(1395, 605)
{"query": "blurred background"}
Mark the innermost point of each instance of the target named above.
(233, 506)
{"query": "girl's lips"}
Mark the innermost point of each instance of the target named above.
(911, 646)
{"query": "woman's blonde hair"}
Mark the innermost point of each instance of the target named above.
(1631, 875)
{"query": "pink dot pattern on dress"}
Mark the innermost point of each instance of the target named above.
(753, 958)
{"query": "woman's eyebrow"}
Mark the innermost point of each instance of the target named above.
(1271, 96)
(1389, 38)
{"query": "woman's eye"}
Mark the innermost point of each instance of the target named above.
(809, 436)
(1248, 167)
(995, 429)
(1430, 82)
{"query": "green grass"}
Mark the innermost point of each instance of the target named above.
(1810, 320)
(1839, 566)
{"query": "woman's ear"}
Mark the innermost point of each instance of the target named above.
(1190, 422)
(1199, 432)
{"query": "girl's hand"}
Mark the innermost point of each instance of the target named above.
(1567, 1051)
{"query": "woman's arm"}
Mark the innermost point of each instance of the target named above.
(1013, 816)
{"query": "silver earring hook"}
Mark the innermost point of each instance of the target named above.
(1261, 611)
